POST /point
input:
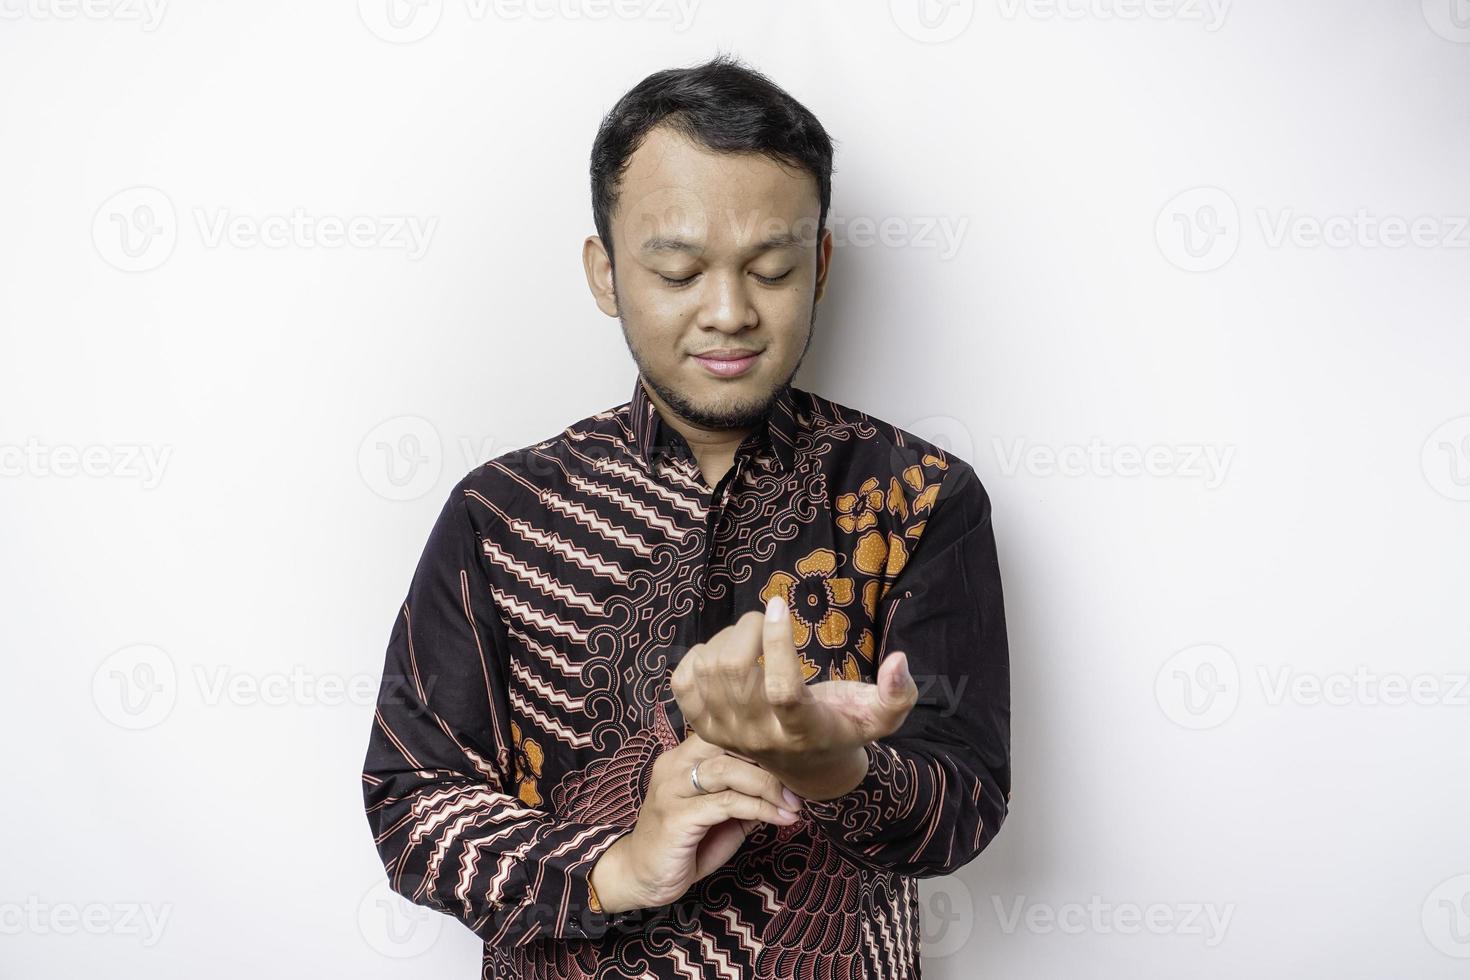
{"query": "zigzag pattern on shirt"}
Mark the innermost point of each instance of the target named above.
(598, 524)
(551, 655)
(559, 698)
(683, 964)
(870, 942)
(577, 740)
(469, 858)
(682, 473)
(741, 930)
(529, 614)
(541, 581)
(549, 540)
(770, 902)
(718, 958)
(432, 810)
(888, 945)
(644, 513)
(505, 866)
(445, 815)
(633, 475)
(907, 912)
(556, 544)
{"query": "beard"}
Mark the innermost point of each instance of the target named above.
(733, 417)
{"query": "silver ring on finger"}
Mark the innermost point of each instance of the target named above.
(694, 778)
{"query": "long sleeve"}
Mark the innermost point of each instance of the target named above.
(938, 789)
(438, 784)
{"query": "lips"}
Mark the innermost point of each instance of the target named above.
(727, 363)
(723, 355)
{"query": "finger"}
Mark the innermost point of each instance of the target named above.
(785, 684)
(735, 666)
(719, 845)
(897, 692)
(686, 690)
(694, 749)
(715, 808)
(727, 772)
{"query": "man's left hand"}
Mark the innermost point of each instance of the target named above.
(744, 691)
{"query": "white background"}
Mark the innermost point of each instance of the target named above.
(1240, 716)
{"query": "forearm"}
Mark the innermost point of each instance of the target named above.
(919, 810)
(508, 872)
(938, 789)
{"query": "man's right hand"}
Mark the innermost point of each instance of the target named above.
(682, 835)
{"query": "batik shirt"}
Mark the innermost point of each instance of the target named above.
(525, 692)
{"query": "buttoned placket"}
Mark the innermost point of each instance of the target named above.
(715, 503)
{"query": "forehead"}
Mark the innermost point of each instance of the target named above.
(676, 189)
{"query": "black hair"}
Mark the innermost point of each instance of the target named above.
(722, 105)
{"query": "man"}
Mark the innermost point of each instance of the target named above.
(652, 705)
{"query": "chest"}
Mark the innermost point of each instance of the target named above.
(609, 578)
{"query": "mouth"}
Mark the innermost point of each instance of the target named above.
(728, 362)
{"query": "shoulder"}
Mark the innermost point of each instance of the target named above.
(916, 473)
(516, 478)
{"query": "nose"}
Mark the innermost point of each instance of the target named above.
(725, 304)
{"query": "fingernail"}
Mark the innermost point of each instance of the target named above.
(786, 814)
(775, 608)
(791, 798)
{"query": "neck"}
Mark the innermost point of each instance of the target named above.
(713, 449)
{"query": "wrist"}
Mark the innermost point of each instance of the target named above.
(613, 881)
(827, 776)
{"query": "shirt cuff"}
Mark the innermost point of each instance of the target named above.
(584, 919)
(885, 795)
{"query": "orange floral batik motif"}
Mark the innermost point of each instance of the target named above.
(816, 596)
(528, 766)
(851, 668)
(859, 511)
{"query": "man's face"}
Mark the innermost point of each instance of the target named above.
(713, 252)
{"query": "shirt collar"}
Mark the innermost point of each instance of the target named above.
(652, 436)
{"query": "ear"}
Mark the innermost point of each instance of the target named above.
(598, 266)
(824, 263)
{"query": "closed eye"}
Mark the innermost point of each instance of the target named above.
(768, 280)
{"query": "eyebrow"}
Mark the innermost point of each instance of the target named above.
(659, 244)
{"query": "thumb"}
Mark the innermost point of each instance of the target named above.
(897, 692)
(785, 682)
